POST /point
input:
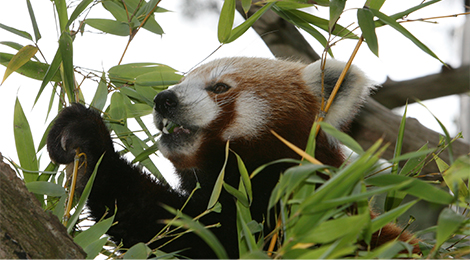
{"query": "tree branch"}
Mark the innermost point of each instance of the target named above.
(447, 82)
(374, 121)
(26, 230)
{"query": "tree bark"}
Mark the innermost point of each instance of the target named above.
(374, 121)
(26, 230)
(448, 82)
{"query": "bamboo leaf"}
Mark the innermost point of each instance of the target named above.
(227, 15)
(92, 234)
(101, 94)
(13, 45)
(394, 198)
(246, 5)
(199, 229)
(336, 9)
(138, 251)
(240, 196)
(145, 154)
(95, 248)
(416, 188)
(391, 215)
(78, 10)
(61, 8)
(242, 28)
(66, 52)
(50, 73)
(45, 188)
(24, 144)
(374, 4)
(447, 224)
(37, 34)
(244, 177)
(366, 21)
(152, 26)
(109, 26)
(83, 199)
(117, 11)
(31, 69)
(219, 182)
(21, 57)
(345, 139)
(158, 78)
(16, 31)
(394, 24)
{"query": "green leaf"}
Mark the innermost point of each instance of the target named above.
(345, 139)
(446, 133)
(374, 4)
(199, 229)
(145, 154)
(129, 72)
(13, 45)
(447, 224)
(61, 8)
(66, 52)
(240, 196)
(227, 15)
(95, 248)
(333, 229)
(366, 21)
(414, 165)
(21, 57)
(45, 188)
(291, 180)
(246, 5)
(246, 232)
(394, 198)
(101, 94)
(24, 144)
(109, 26)
(289, 15)
(118, 11)
(152, 26)
(219, 182)
(51, 73)
(92, 234)
(160, 78)
(37, 34)
(138, 251)
(78, 10)
(31, 69)
(242, 28)
(336, 9)
(83, 199)
(390, 216)
(395, 25)
(406, 12)
(416, 188)
(244, 177)
(17, 32)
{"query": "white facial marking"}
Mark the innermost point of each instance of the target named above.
(251, 118)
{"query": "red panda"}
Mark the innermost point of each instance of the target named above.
(239, 100)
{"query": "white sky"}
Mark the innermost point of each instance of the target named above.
(187, 42)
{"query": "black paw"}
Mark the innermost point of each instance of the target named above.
(78, 127)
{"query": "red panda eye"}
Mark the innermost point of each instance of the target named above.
(219, 88)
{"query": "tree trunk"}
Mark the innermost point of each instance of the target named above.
(26, 230)
(374, 121)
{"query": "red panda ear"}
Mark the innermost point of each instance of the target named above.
(351, 94)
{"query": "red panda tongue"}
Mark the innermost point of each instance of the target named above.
(180, 129)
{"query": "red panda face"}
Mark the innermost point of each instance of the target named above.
(241, 99)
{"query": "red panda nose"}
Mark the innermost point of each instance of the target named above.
(166, 102)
